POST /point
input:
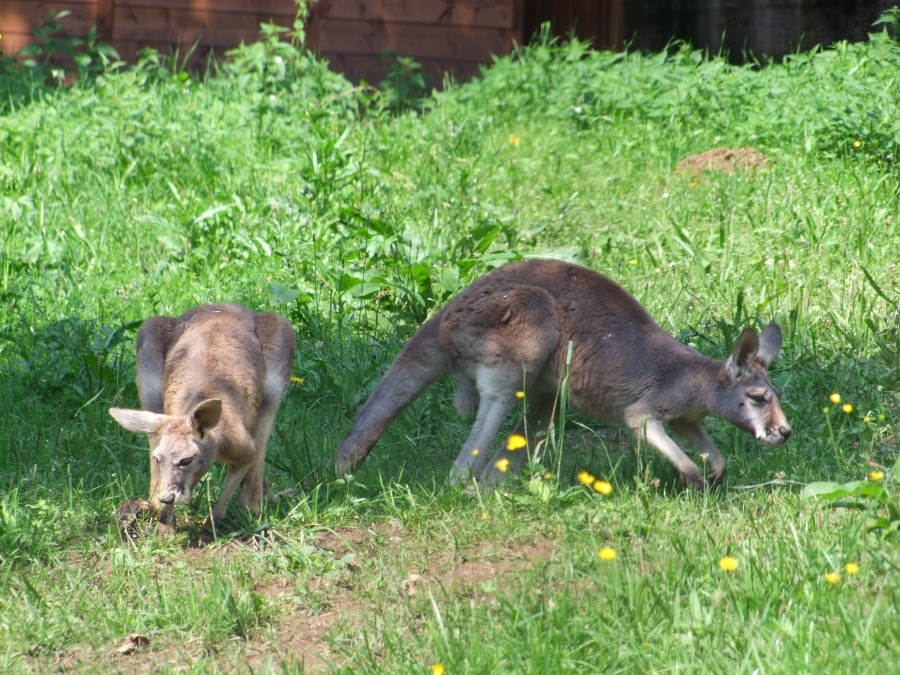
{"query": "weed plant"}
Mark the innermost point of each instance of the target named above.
(274, 182)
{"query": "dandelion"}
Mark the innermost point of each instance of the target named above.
(437, 669)
(847, 408)
(296, 380)
(633, 261)
(475, 452)
(585, 478)
(835, 398)
(502, 465)
(548, 475)
(516, 442)
(520, 394)
(867, 419)
(514, 140)
(852, 568)
(484, 515)
(876, 475)
(607, 554)
(857, 144)
(728, 564)
(833, 578)
(603, 487)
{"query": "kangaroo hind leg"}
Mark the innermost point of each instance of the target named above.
(510, 458)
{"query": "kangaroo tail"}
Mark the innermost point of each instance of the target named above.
(416, 368)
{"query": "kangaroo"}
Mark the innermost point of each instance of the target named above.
(209, 383)
(510, 330)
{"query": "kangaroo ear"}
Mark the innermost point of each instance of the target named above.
(742, 355)
(139, 421)
(769, 344)
(205, 416)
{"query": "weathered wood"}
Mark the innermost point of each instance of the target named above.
(18, 18)
(443, 35)
(179, 27)
(480, 13)
(106, 16)
(418, 41)
(599, 21)
(274, 7)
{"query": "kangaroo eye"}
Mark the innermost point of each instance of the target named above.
(758, 397)
(185, 462)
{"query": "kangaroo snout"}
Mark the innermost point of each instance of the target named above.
(776, 435)
(167, 498)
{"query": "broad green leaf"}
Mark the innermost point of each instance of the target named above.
(279, 295)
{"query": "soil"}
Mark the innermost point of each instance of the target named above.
(726, 160)
(301, 631)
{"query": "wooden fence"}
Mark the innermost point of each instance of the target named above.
(443, 35)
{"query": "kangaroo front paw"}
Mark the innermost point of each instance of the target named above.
(129, 510)
(717, 475)
(694, 480)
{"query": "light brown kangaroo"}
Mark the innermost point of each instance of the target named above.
(509, 331)
(210, 383)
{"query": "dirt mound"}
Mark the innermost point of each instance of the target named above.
(723, 159)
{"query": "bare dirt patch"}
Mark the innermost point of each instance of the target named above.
(726, 160)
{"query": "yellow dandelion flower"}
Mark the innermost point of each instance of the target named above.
(514, 140)
(437, 669)
(484, 516)
(607, 554)
(876, 475)
(852, 568)
(502, 465)
(857, 144)
(548, 476)
(475, 452)
(585, 478)
(847, 408)
(728, 564)
(633, 261)
(296, 380)
(603, 487)
(867, 419)
(833, 578)
(835, 398)
(516, 442)
(520, 394)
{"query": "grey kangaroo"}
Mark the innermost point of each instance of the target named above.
(210, 383)
(509, 331)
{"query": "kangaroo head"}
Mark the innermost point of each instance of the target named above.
(745, 396)
(180, 447)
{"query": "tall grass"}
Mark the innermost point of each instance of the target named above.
(276, 183)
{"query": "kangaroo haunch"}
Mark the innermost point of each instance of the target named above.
(210, 383)
(510, 330)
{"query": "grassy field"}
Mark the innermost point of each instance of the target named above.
(356, 213)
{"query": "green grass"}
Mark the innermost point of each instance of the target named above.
(274, 183)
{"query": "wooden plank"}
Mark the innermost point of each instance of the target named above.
(106, 14)
(143, 25)
(18, 18)
(273, 7)
(476, 13)
(418, 41)
(22, 15)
